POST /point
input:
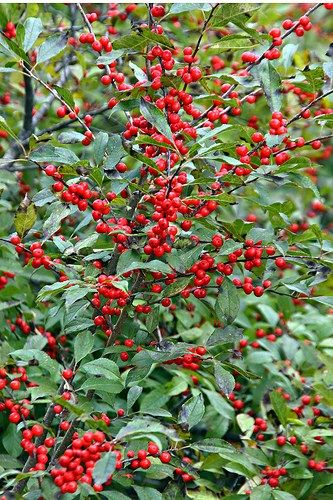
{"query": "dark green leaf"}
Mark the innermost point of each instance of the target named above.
(156, 117)
(227, 304)
(145, 493)
(102, 385)
(280, 407)
(100, 145)
(53, 154)
(191, 412)
(229, 334)
(225, 381)
(229, 13)
(133, 394)
(270, 83)
(131, 42)
(152, 320)
(83, 345)
(175, 288)
(102, 366)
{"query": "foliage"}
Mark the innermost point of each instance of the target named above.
(165, 251)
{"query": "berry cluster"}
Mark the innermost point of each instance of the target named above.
(9, 30)
(4, 278)
(190, 361)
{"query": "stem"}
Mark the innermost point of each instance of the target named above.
(196, 49)
(28, 124)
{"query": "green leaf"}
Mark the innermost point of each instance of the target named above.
(178, 8)
(245, 373)
(53, 222)
(11, 441)
(192, 411)
(315, 78)
(270, 83)
(156, 38)
(143, 426)
(43, 359)
(175, 288)
(327, 301)
(245, 422)
(132, 42)
(13, 49)
(156, 117)
(83, 345)
(133, 394)
(261, 493)
(54, 154)
(33, 27)
(51, 47)
(100, 145)
(212, 445)
(8, 462)
(102, 385)
(70, 137)
(225, 381)
(294, 164)
(9, 304)
(139, 74)
(233, 42)
(145, 493)
(152, 319)
(115, 151)
(102, 366)
(229, 13)
(43, 197)
(229, 334)
(227, 304)
(25, 218)
(229, 246)
(73, 294)
(181, 261)
(66, 95)
(282, 495)
(222, 198)
(104, 468)
(270, 315)
(280, 407)
(259, 234)
(4, 126)
(219, 404)
(109, 58)
(128, 261)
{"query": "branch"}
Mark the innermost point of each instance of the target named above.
(196, 49)
(28, 124)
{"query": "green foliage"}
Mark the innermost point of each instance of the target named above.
(165, 274)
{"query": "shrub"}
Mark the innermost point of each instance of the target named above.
(165, 253)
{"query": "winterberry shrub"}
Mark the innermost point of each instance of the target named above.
(165, 251)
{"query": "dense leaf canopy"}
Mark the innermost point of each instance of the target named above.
(166, 251)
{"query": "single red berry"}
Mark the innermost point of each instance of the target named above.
(165, 457)
(281, 440)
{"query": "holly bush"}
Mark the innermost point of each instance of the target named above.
(165, 251)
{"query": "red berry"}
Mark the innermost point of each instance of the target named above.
(281, 440)
(67, 374)
(165, 457)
